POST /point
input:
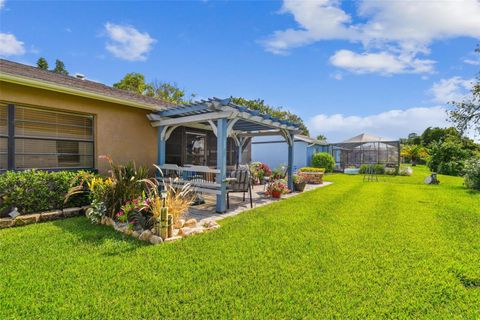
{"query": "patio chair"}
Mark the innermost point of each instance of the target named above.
(242, 183)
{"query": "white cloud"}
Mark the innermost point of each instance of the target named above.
(382, 62)
(389, 124)
(389, 30)
(452, 89)
(472, 62)
(10, 46)
(2, 4)
(128, 43)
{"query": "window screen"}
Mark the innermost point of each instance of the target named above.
(3, 137)
(52, 140)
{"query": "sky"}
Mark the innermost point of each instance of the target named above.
(382, 67)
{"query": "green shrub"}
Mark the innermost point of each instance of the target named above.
(311, 169)
(448, 158)
(34, 191)
(472, 174)
(377, 168)
(323, 160)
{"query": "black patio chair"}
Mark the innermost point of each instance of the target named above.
(242, 183)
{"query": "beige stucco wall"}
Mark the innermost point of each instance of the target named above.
(122, 132)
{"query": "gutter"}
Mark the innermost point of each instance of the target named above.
(74, 91)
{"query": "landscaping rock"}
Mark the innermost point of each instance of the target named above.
(190, 223)
(197, 230)
(179, 223)
(171, 239)
(109, 221)
(184, 232)
(6, 223)
(155, 240)
(71, 212)
(52, 215)
(27, 219)
(211, 225)
(135, 234)
(146, 235)
(120, 227)
(128, 231)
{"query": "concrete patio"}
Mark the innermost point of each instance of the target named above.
(206, 211)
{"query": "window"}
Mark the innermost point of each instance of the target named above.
(47, 139)
(3, 137)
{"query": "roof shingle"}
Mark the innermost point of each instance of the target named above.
(18, 69)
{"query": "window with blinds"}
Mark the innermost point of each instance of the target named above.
(3, 137)
(47, 139)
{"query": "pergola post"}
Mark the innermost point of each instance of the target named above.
(161, 145)
(222, 164)
(240, 143)
(291, 142)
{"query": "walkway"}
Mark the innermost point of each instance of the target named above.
(206, 211)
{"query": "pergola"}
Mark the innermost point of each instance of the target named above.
(225, 119)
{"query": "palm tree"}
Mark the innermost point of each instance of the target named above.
(414, 152)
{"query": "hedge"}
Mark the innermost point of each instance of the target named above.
(311, 169)
(36, 191)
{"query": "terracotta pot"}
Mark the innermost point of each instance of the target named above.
(276, 194)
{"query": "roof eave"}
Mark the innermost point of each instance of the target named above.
(46, 85)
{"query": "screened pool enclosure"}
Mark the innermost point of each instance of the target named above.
(366, 149)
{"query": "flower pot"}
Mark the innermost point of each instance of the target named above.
(299, 187)
(276, 194)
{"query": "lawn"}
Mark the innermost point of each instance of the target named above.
(390, 249)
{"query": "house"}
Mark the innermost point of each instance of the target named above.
(65, 122)
(272, 150)
(51, 121)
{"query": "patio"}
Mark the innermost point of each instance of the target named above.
(206, 211)
(226, 120)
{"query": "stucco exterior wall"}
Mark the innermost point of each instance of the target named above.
(122, 132)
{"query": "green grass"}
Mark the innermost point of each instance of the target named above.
(390, 249)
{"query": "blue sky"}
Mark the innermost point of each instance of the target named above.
(386, 68)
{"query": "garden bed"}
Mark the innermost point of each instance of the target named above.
(180, 229)
(312, 177)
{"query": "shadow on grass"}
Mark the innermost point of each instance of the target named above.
(99, 235)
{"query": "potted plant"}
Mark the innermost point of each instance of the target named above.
(299, 183)
(259, 171)
(277, 188)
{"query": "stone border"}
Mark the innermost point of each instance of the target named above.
(25, 219)
(181, 229)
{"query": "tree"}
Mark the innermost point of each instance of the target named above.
(466, 113)
(414, 152)
(42, 63)
(278, 112)
(431, 135)
(170, 92)
(135, 82)
(166, 91)
(448, 157)
(321, 137)
(60, 67)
